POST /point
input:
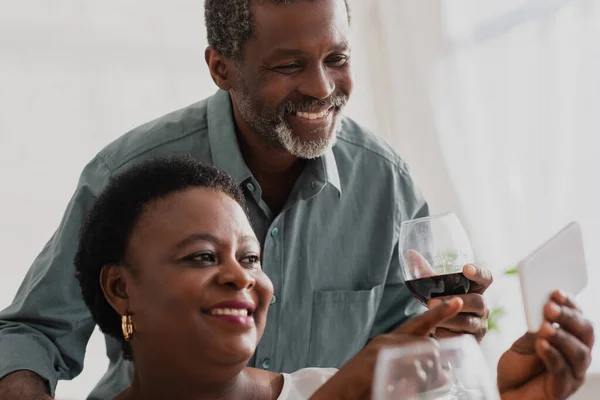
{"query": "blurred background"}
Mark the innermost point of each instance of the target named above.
(494, 105)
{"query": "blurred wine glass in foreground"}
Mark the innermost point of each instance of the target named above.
(452, 369)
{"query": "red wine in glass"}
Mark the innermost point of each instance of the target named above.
(424, 289)
(433, 252)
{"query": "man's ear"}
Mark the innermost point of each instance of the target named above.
(113, 280)
(220, 68)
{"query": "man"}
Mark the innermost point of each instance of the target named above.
(326, 198)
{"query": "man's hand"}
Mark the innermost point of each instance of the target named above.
(473, 318)
(551, 364)
(354, 379)
(23, 385)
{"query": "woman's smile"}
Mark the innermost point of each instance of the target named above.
(238, 313)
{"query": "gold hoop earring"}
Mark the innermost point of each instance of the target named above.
(127, 327)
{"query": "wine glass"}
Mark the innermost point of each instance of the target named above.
(433, 251)
(420, 372)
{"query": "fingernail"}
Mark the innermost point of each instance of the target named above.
(562, 295)
(553, 310)
(457, 301)
(434, 303)
(544, 345)
(470, 269)
(547, 330)
(413, 258)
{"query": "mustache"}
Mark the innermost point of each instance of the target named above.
(337, 101)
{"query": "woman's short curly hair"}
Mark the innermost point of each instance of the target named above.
(105, 233)
(229, 24)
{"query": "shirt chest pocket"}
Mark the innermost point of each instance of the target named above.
(341, 322)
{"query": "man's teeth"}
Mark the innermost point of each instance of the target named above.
(312, 115)
(230, 311)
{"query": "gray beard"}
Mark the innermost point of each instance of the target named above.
(276, 132)
(305, 149)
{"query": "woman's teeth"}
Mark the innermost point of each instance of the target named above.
(306, 115)
(229, 311)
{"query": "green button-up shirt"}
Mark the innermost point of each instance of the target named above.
(331, 252)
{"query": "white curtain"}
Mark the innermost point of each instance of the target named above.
(512, 93)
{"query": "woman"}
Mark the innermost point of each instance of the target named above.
(169, 265)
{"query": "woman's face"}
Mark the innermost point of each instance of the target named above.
(194, 283)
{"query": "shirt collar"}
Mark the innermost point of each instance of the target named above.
(332, 175)
(225, 148)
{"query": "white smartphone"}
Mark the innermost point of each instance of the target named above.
(557, 264)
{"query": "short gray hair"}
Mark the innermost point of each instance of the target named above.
(229, 24)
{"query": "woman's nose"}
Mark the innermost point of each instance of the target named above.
(235, 275)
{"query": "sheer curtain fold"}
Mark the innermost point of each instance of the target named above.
(508, 94)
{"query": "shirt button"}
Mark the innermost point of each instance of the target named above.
(274, 232)
(273, 299)
(250, 186)
(266, 364)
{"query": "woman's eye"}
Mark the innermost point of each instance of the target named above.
(253, 259)
(202, 257)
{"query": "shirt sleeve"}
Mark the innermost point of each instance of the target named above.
(46, 328)
(397, 303)
(303, 383)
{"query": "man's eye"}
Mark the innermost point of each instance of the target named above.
(289, 66)
(337, 61)
(288, 69)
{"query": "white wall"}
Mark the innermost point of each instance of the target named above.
(590, 390)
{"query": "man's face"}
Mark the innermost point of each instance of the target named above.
(294, 77)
